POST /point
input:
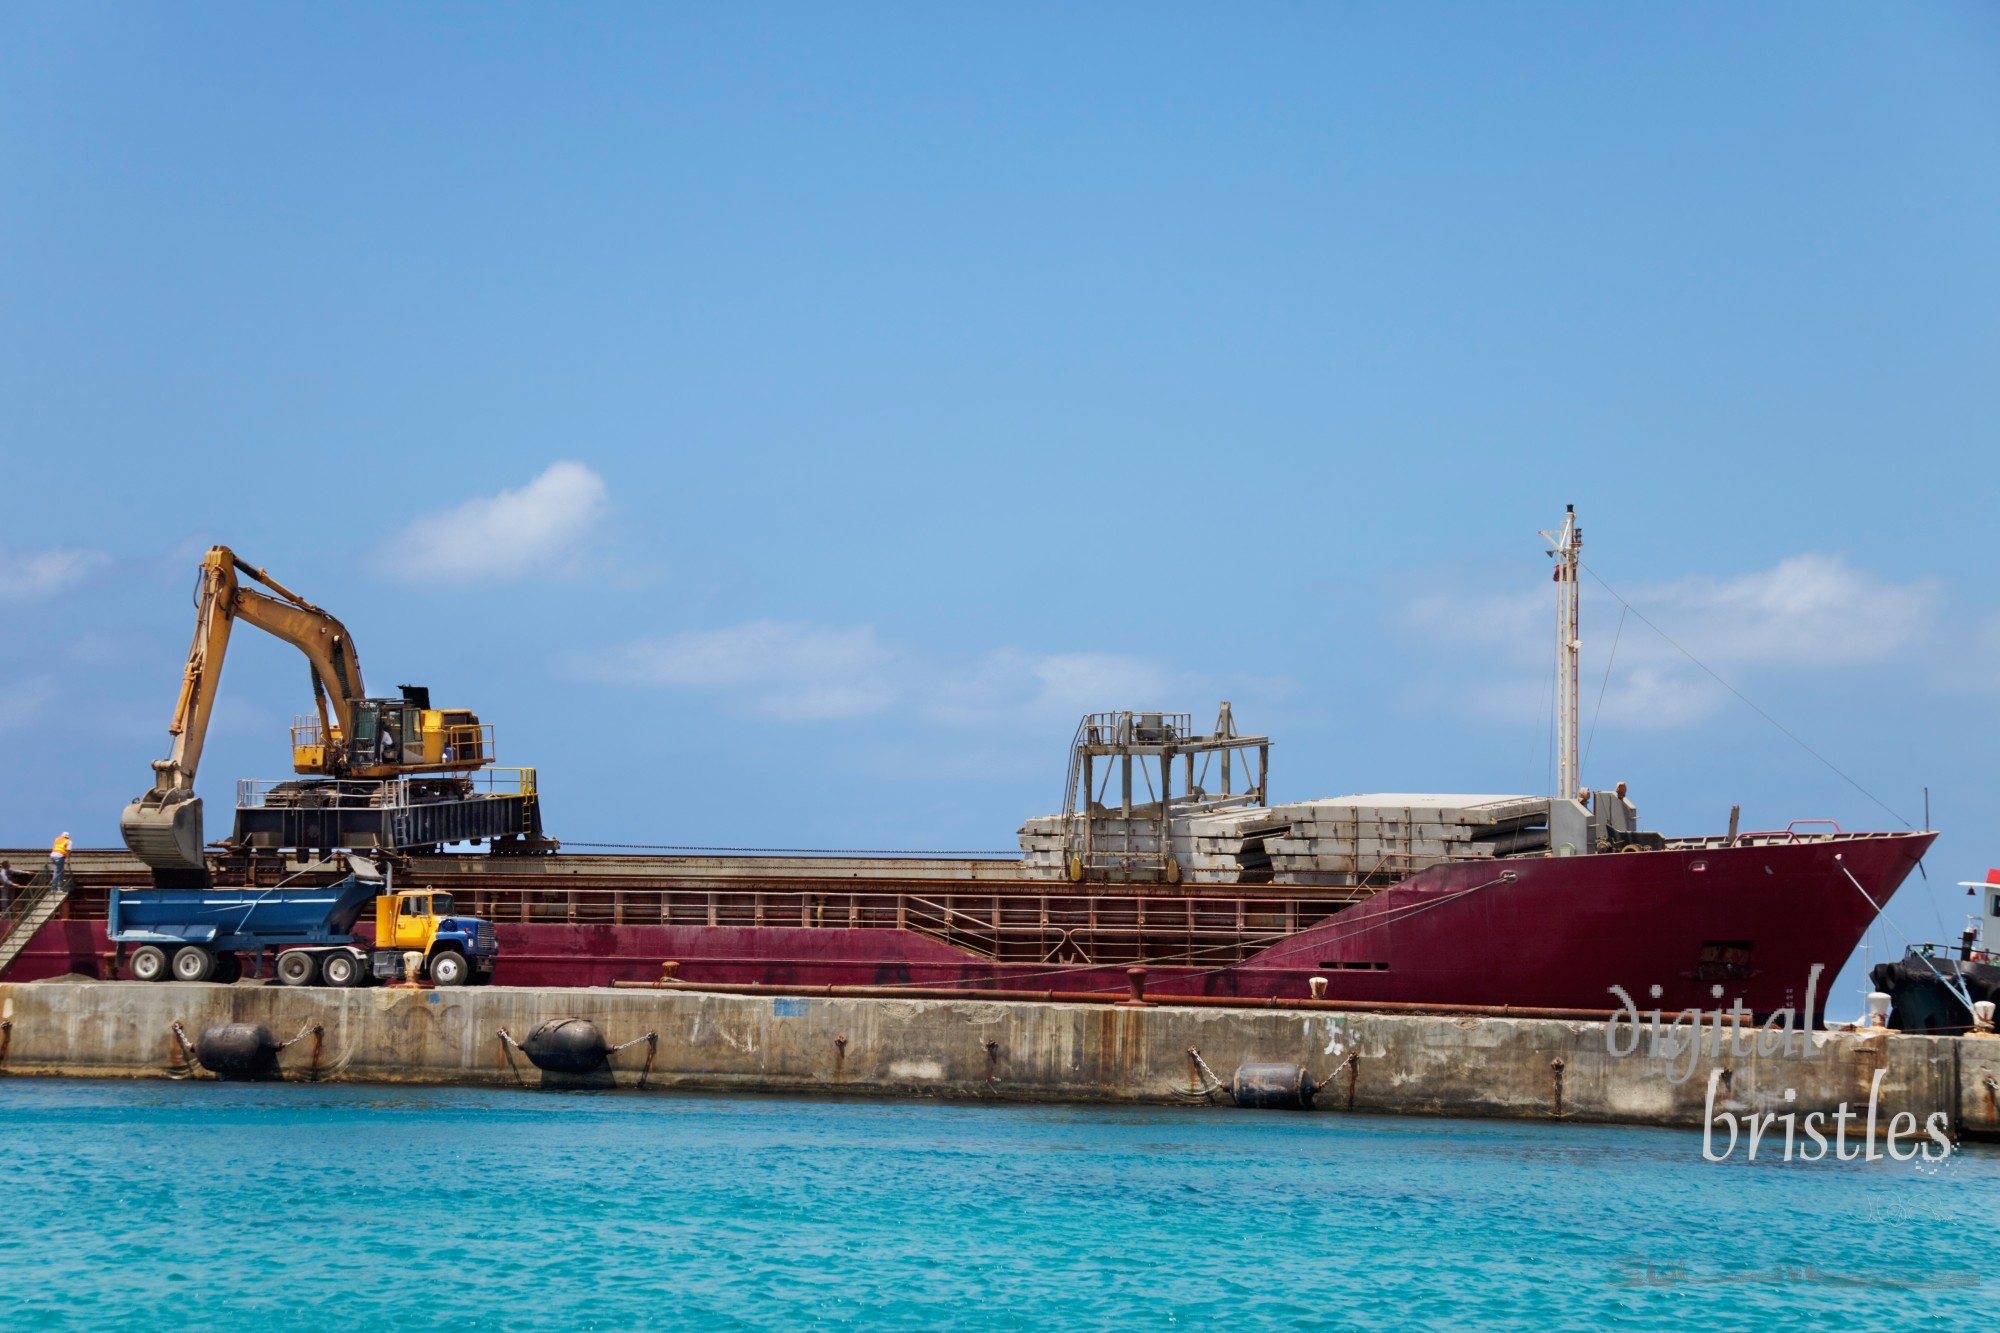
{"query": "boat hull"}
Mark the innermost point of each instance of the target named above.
(1703, 924)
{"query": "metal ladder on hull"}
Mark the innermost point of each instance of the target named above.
(34, 906)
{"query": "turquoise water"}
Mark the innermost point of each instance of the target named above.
(199, 1205)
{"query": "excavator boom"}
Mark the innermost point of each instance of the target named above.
(163, 827)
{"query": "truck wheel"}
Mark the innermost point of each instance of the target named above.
(296, 967)
(228, 968)
(149, 963)
(449, 968)
(193, 963)
(340, 969)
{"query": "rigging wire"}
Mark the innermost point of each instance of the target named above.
(1745, 699)
(1960, 993)
(1602, 688)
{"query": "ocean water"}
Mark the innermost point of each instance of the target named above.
(155, 1205)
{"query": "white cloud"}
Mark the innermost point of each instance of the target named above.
(783, 670)
(788, 670)
(538, 528)
(1807, 612)
(27, 576)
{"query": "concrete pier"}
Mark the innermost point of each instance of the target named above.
(1001, 1050)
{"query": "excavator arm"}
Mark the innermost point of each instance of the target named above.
(163, 827)
(336, 671)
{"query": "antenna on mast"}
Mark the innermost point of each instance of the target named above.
(1567, 547)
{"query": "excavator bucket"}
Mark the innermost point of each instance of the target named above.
(163, 829)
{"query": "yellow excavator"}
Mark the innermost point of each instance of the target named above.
(353, 737)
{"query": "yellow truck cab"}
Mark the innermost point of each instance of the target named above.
(424, 921)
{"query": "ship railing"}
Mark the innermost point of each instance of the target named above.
(1770, 837)
(1087, 928)
(1951, 953)
(382, 794)
(503, 781)
(22, 901)
(1148, 727)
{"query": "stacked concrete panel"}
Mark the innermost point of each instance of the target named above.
(1388, 835)
(1343, 841)
(1043, 849)
(1228, 846)
(1216, 847)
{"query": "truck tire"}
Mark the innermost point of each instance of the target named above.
(193, 963)
(149, 963)
(341, 970)
(449, 968)
(228, 968)
(296, 967)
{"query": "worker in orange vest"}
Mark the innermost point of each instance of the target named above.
(59, 857)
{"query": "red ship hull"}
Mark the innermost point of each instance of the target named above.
(1541, 932)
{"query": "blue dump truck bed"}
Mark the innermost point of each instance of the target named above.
(245, 919)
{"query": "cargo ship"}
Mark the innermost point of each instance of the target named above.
(1188, 870)
(1751, 915)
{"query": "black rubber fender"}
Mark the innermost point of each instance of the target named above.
(566, 1046)
(1275, 1087)
(238, 1052)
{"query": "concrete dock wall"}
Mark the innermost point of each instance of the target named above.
(1401, 1064)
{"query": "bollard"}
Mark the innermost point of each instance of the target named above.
(1982, 1017)
(1878, 1009)
(1135, 977)
(670, 974)
(1318, 987)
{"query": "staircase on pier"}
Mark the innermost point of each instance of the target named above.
(34, 905)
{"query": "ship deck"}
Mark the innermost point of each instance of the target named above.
(981, 907)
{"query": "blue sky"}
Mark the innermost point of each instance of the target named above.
(782, 422)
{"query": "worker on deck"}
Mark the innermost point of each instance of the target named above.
(59, 857)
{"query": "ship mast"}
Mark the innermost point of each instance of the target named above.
(1567, 548)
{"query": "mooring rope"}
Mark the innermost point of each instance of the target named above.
(187, 1062)
(1215, 1084)
(652, 1040)
(1961, 993)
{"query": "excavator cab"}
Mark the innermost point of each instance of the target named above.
(397, 736)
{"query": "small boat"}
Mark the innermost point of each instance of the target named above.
(1930, 989)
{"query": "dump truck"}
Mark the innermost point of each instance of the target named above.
(205, 934)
